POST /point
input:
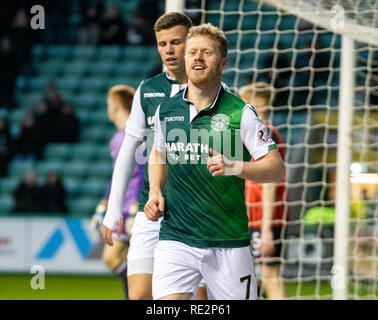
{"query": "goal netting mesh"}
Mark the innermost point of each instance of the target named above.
(295, 45)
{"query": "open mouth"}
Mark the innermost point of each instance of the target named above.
(198, 67)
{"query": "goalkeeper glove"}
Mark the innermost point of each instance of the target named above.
(130, 219)
(98, 218)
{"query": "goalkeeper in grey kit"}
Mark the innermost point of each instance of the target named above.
(119, 107)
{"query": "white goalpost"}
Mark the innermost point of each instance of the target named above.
(174, 5)
(332, 16)
(321, 57)
(346, 98)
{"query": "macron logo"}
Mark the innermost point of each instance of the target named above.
(154, 95)
(170, 119)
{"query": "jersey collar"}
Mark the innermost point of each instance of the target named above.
(220, 90)
(169, 77)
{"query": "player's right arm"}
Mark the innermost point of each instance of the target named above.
(124, 167)
(157, 172)
(157, 177)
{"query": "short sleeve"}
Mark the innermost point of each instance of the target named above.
(136, 124)
(254, 134)
(159, 136)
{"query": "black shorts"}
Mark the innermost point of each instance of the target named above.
(255, 235)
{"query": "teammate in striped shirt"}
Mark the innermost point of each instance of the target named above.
(170, 30)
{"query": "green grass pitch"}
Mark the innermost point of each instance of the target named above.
(61, 287)
(99, 287)
(82, 287)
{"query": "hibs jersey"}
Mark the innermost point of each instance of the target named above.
(202, 210)
(140, 124)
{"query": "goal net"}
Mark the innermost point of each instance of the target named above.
(295, 46)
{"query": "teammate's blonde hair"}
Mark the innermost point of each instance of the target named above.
(257, 89)
(214, 33)
(123, 94)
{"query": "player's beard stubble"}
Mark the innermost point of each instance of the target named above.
(211, 74)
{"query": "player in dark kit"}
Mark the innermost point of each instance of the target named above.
(266, 202)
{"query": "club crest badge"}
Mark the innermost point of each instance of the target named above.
(220, 122)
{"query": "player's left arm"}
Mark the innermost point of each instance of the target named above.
(268, 166)
(268, 199)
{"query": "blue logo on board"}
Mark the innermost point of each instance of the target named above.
(56, 240)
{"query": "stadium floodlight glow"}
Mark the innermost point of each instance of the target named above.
(358, 167)
(364, 178)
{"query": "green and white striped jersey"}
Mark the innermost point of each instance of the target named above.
(202, 210)
(148, 96)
